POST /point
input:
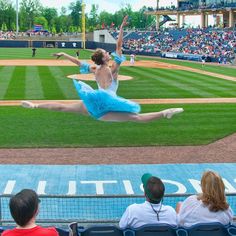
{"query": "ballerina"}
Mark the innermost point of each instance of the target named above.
(103, 104)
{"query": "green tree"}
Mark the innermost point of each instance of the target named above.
(7, 13)
(76, 11)
(93, 16)
(4, 27)
(40, 20)
(53, 29)
(50, 14)
(106, 18)
(29, 9)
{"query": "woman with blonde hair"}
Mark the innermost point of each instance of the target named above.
(208, 206)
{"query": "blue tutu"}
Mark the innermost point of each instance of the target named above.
(100, 102)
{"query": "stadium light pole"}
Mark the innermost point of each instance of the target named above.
(17, 18)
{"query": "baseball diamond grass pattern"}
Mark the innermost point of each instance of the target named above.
(199, 124)
(43, 82)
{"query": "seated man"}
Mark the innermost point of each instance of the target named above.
(24, 207)
(152, 211)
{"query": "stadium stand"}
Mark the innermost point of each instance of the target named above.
(212, 42)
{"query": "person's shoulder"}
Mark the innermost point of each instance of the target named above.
(7, 232)
(50, 230)
(169, 208)
(135, 206)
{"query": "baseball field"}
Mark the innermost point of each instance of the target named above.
(207, 94)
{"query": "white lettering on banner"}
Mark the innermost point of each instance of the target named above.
(74, 45)
(181, 187)
(63, 44)
(128, 187)
(9, 187)
(99, 184)
(72, 188)
(228, 187)
(196, 184)
(41, 187)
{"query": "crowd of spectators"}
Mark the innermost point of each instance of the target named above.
(211, 42)
(7, 35)
(207, 207)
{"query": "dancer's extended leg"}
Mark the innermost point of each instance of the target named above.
(77, 107)
(142, 118)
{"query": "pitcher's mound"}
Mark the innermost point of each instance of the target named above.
(91, 77)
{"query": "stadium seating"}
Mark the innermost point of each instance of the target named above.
(154, 230)
(100, 230)
(207, 229)
(62, 232)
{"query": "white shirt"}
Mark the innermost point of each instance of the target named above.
(193, 211)
(137, 215)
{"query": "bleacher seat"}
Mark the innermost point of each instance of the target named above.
(62, 232)
(232, 230)
(100, 230)
(154, 230)
(206, 229)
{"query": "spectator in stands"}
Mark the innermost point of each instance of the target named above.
(152, 211)
(209, 206)
(24, 208)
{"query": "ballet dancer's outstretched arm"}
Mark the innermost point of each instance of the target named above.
(67, 56)
(73, 59)
(115, 66)
(120, 36)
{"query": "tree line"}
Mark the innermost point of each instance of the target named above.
(31, 12)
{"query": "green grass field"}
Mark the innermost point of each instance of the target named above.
(199, 124)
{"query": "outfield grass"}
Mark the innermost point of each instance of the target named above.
(43, 82)
(199, 124)
(215, 68)
(41, 53)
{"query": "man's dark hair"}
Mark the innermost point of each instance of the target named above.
(23, 206)
(154, 190)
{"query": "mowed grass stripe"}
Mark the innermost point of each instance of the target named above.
(173, 88)
(198, 124)
(224, 88)
(215, 68)
(64, 83)
(197, 89)
(147, 85)
(200, 86)
(49, 83)
(6, 73)
(16, 88)
(33, 86)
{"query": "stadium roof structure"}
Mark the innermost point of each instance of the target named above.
(227, 10)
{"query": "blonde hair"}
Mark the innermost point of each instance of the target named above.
(213, 192)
